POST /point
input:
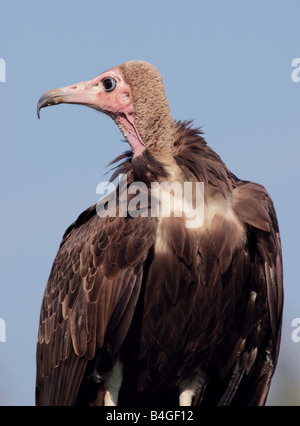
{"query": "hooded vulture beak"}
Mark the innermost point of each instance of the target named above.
(83, 93)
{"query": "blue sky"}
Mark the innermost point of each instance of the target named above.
(226, 65)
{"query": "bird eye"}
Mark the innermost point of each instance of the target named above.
(109, 84)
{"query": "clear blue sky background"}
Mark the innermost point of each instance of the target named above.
(225, 64)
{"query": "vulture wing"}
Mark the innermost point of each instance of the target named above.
(263, 315)
(89, 300)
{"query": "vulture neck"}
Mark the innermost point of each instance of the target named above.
(150, 113)
(158, 134)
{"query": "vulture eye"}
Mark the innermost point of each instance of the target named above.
(109, 84)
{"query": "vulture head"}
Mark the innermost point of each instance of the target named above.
(132, 94)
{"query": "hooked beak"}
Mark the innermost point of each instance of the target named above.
(83, 93)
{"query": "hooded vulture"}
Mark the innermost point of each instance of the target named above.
(141, 309)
